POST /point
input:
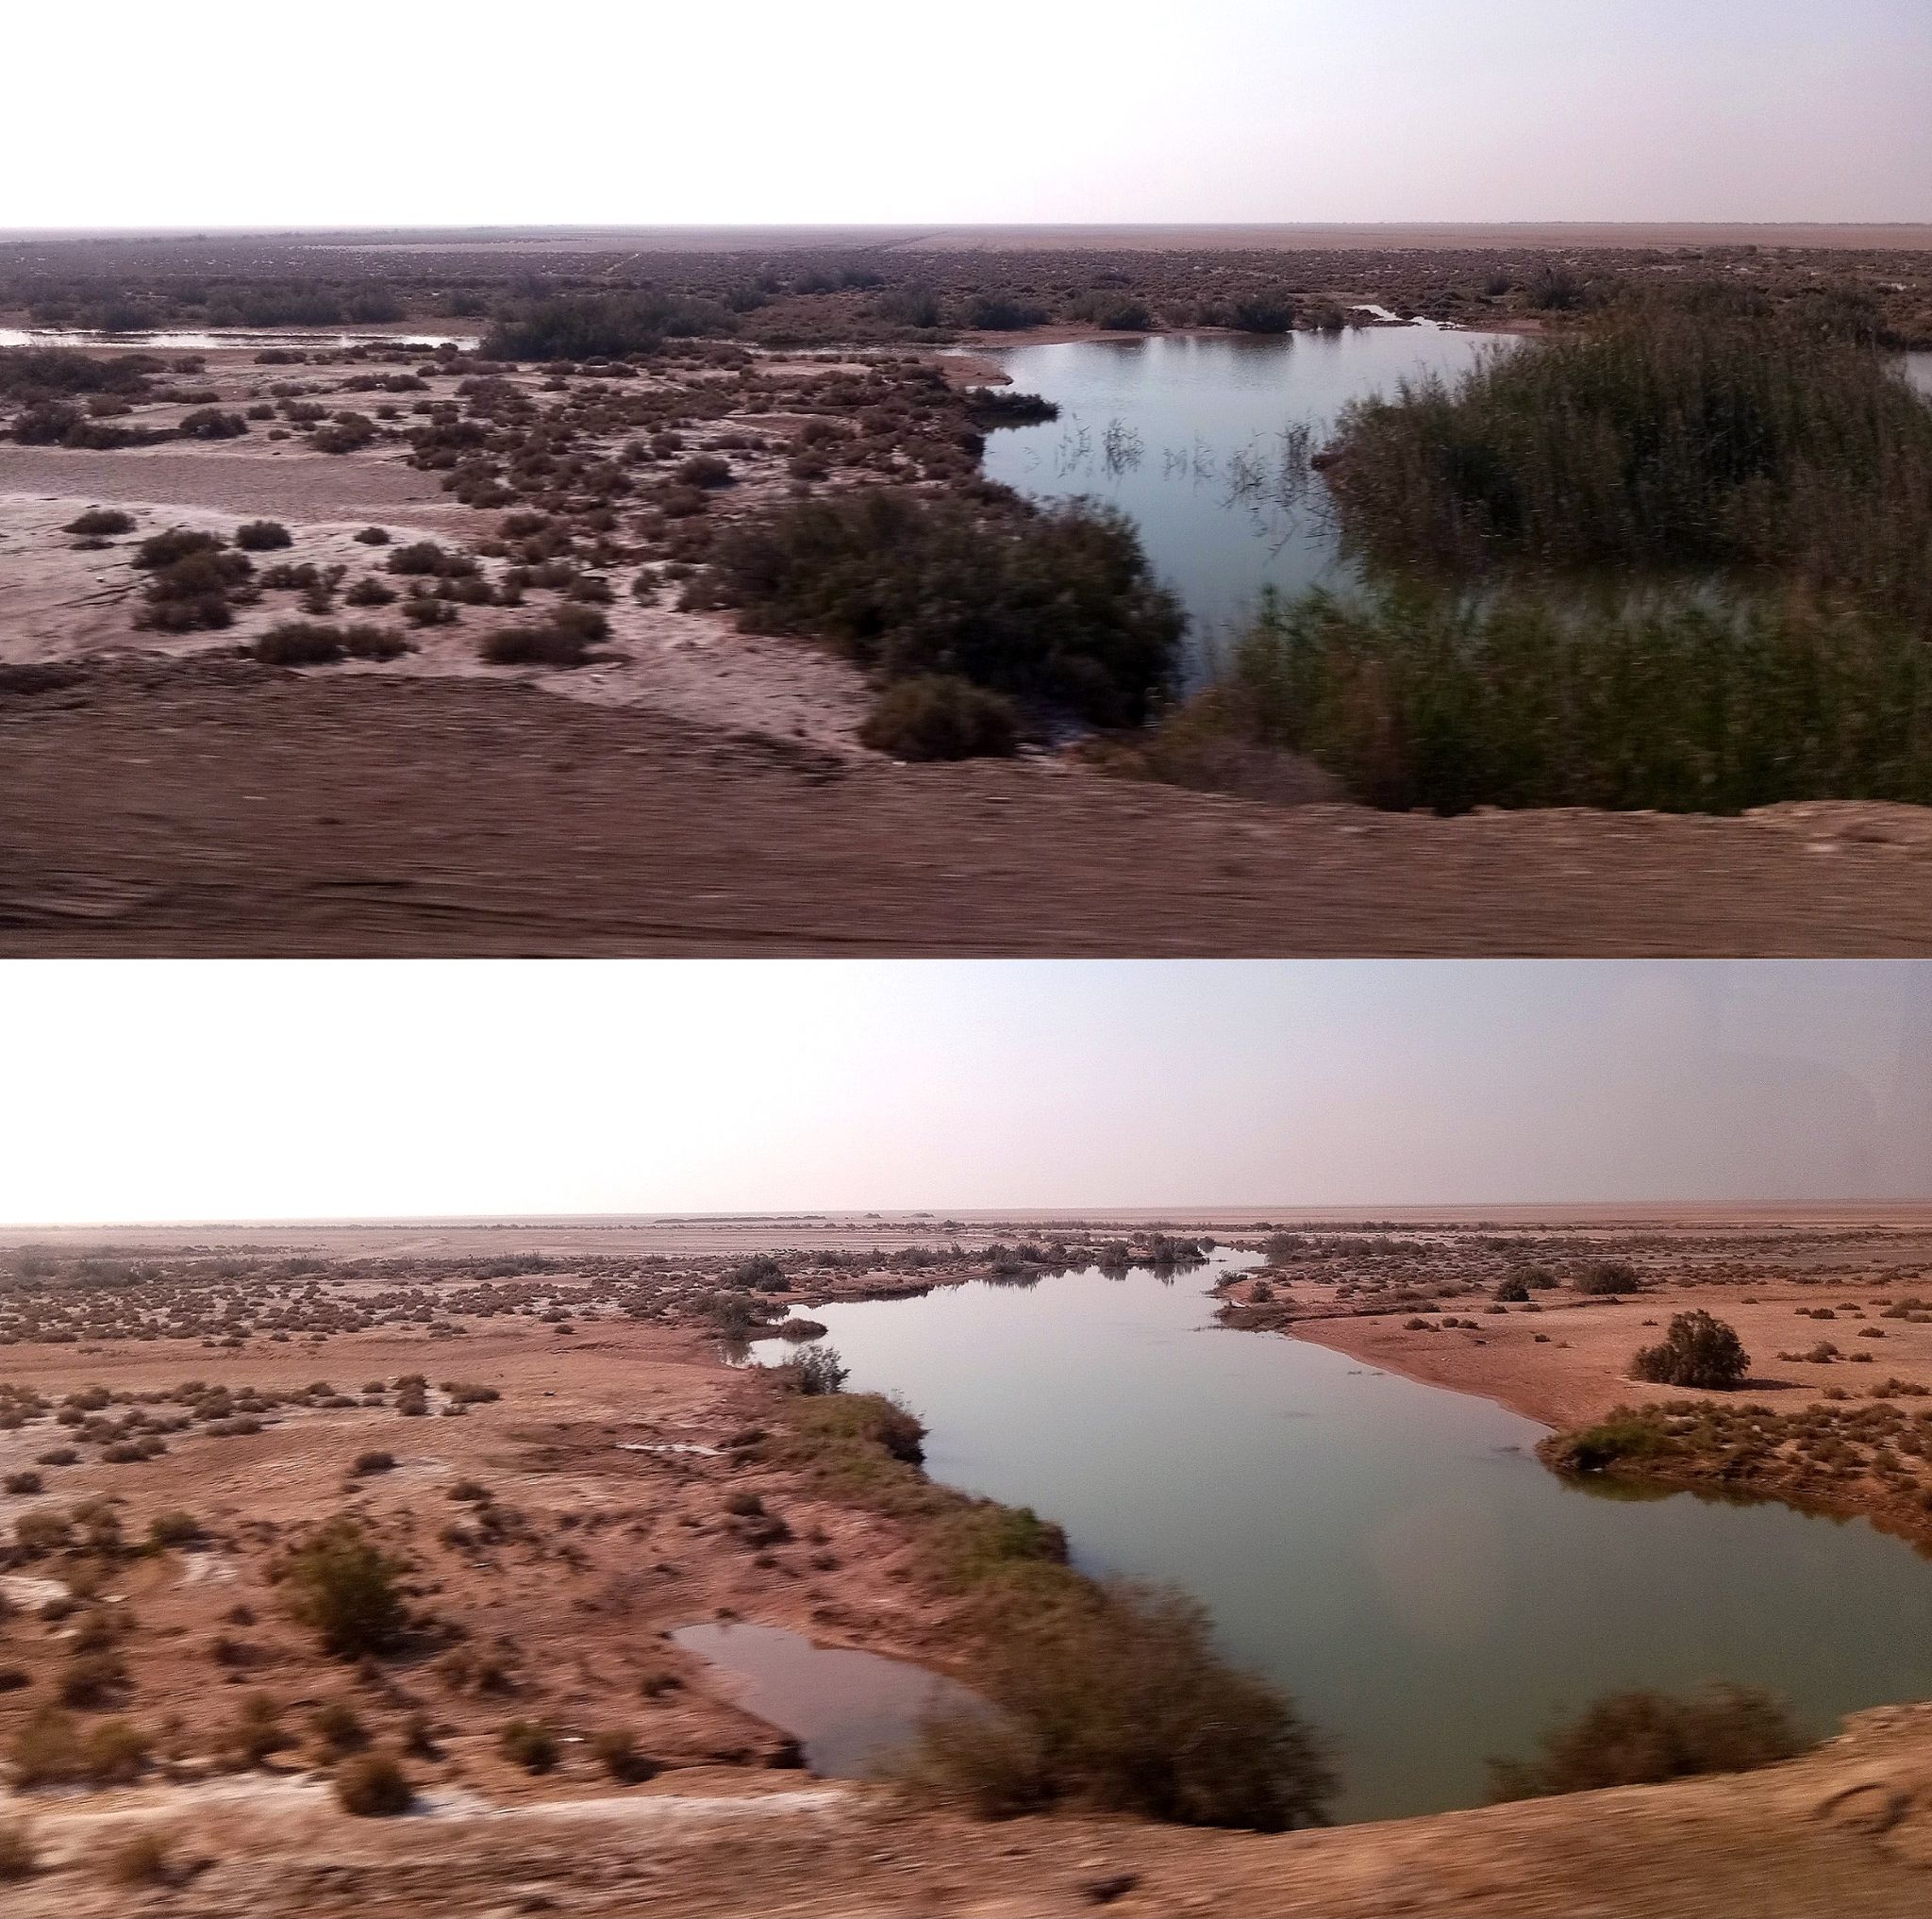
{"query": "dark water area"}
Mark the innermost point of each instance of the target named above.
(847, 1710)
(1391, 1553)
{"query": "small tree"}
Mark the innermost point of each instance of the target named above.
(347, 1589)
(1697, 1350)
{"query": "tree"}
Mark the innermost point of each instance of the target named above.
(1697, 1350)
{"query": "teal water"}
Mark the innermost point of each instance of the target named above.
(1391, 1553)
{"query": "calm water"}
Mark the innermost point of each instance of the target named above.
(1391, 1553)
(1185, 435)
(846, 1709)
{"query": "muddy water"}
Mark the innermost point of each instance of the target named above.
(847, 1710)
(1391, 1553)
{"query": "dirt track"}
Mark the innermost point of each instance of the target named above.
(213, 807)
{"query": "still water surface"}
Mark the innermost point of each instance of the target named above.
(1185, 435)
(1391, 1553)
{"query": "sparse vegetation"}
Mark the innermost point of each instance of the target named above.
(373, 1786)
(940, 716)
(349, 1591)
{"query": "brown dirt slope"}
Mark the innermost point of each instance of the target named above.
(209, 807)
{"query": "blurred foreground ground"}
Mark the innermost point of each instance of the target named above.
(213, 806)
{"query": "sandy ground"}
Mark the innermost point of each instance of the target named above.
(599, 1549)
(383, 814)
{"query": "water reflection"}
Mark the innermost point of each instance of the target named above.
(1391, 1553)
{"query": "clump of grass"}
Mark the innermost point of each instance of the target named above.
(1055, 605)
(1687, 432)
(349, 1591)
(1121, 1703)
(617, 1753)
(1418, 699)
(373, 1786)
(1643, 1738)
(529, 1743)
(1624, 1436)
(940, 716)
(1697, 1350)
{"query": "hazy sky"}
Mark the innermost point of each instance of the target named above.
(164, 1090)
(218, 113)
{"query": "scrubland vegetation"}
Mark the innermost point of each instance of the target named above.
(1643, 1738)
(1677, 559)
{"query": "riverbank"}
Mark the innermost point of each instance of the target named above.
(593, 1495)
(1841, 1373)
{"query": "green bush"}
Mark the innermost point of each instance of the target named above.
(940, 716)
(1697, 1350)
(1416, 699)
(1055, 605)
(1119, 1702)
(1670, 433)
(349, 1591)
(1643, 1738)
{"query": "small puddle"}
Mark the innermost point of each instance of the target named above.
(847, 1710)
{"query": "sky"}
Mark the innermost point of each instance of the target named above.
(217, 112)
(157, 1090)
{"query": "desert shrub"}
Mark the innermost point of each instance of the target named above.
(424, 558)
(940, 716)
(1263, 313)
(256, 1732)
(144, 1860)
(1605, 1278)
(349, 1591)
(262, 535)
(1522, 698)
(337, 1729)
(97, 523)
(345, 433)
(705, 469)
(1643, 1738)
(193, 590)
(46, 1749)
(1697, 1350)
(174, 1529)
(1003, 406)
(1512, 1287)
(1056, 604)
(211, 423)
(370, 592)
(618, 1754)
(374, 536)
(91, 1679)
(114, 1753)
(759, 1273)
(373, 1786)
(1121, 1703)
(819, 1371)
(1680, 433)
(313, 642)
(528, 1744)
(1627, 1434)
(375, 1462)
(18, 1854)
(564, 637)
(159, 550)
(603, 325)
(1003, 314)
(22, 1483)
